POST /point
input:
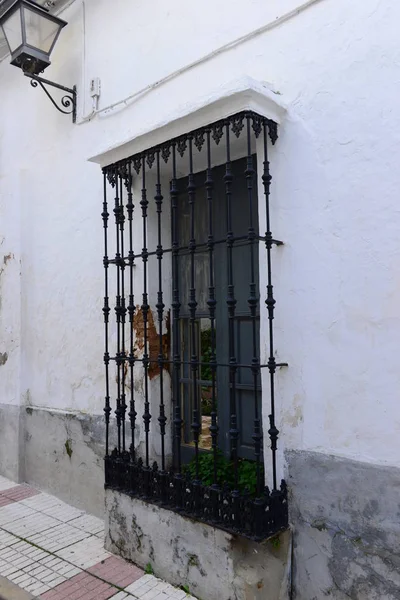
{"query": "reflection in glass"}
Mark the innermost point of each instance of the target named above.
(204, 352)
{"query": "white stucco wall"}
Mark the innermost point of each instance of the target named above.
(335, 196)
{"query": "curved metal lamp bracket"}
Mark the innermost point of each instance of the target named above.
(67, 102)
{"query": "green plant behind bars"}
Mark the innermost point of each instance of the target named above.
(247, 471)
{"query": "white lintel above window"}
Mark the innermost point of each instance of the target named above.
(238, 95)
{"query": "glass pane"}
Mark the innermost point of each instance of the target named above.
(205, 350)
(40, 32)
(12, 30)
(206, 389)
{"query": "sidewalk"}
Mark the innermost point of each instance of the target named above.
(55, 552)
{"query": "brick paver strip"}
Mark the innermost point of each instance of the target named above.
(117, 571)
(5, 501)
(18, 493)
(81, 587)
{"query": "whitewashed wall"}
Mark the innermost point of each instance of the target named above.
(336, 185)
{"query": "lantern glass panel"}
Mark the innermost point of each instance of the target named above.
(12, 30)
(40, 31)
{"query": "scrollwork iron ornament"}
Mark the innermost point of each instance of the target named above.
(150, 158)
(257, 125)
(199, 139)
(137, 163)
(237, 124)
(217, 132)
(166, 152)
(182, 145)
(273, 131)
(67, 104)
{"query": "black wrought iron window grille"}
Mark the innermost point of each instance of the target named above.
(182, 341)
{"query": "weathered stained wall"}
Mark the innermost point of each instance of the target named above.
(62, 453)
(214, 565)
(10, 301)
(345, 517)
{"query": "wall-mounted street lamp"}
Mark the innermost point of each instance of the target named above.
(31, 33)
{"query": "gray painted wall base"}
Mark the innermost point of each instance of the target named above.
(64, 455)
(214, 564)
(346, 520)
(56, 451)
(10, 441)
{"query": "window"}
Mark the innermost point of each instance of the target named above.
(188, 371)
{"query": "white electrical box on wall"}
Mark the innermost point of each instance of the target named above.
(95, 87)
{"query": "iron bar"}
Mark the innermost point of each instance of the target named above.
(131, 312)
(200, 246)
(160, 311)
(145, 313)
(270, 302)
(176, 305)
(212, 303)
(155, 361)
(106, 312)
(196, 427)
(122, 312)
(253, 304)
(117, 210)
(231, 303)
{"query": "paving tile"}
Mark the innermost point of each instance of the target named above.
(53, 507)
(31, 524)
(18, 565)
(133, 588)
(24, 580)
(58, 537)
(6, 571)
(27, 550)
(19, 492)
(9, 554)
(5, 501)
(152, 594)
(117, 571)
(81, 587)
(147, 582)
(88, 523)
(41, 501)
(121, 596)
(15, 575)
(14, 511)
(6, 539)
(67, 570)
(180, 594)
(63, 512)
(84, 554)
(60, 569)
(37, 588)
